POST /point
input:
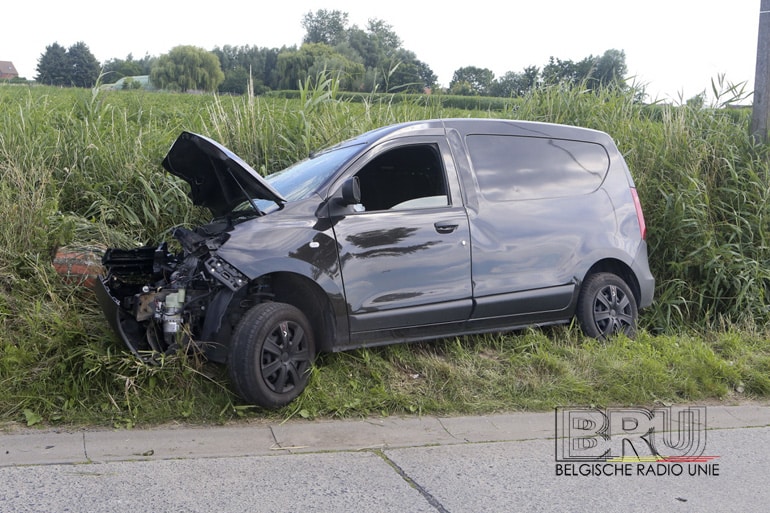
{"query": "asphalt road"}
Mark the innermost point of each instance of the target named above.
(500, 463)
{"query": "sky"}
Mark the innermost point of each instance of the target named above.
(673, 48)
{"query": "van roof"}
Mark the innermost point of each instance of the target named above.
(469, 126)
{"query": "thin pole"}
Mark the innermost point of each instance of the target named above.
(761, 106)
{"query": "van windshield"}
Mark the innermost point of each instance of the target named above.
(306, 177)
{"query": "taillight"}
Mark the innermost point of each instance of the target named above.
(639, 214)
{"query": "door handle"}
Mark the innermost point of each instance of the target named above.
(445, 226)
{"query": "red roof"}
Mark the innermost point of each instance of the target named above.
(7, 70)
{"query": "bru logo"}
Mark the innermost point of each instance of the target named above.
(584, 434)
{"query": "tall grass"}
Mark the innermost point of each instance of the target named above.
(82, 167)
(272, 135)
(704, 189)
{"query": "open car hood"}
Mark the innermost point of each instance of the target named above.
(219, 180)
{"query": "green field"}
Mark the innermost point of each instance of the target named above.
(82, 168)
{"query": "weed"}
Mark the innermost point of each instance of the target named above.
(82, 167)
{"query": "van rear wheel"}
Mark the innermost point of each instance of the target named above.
(271, 354)
(606, 306)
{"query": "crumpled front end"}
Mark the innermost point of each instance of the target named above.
(159, 302)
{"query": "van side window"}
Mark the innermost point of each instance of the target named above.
(517, 168)
(404, 178)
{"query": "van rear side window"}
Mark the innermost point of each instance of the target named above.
(512, 168)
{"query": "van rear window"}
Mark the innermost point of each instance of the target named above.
(517, 168)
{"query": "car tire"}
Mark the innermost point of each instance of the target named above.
(271, 354)
(606, 306)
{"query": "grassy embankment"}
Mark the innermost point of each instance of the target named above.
(82, 168)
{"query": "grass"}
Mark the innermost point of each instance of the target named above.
(98, 383)
(82, 168)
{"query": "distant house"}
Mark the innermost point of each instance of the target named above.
(7, 70)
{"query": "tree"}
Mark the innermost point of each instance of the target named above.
(236, 81)
(592, 72)
(360, 45)
(347, 73)
(429, 79)
(328, 27)
(187, 67)
(53, 66)
(84, 67)
(462, 88)
(386, 65)
(293, 66)
(472, 81)
(75, 66)
(514, 84)
(298, 66)
(383, 34)
(404, 73)
(566, 72)
(115, 69)
(610, 70)
(240, 62)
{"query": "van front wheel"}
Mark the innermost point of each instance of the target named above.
(271, 354)
(606, 307)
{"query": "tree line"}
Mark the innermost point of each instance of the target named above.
(361, 59)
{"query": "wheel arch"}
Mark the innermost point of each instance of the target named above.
(305, 294)
(619, 268)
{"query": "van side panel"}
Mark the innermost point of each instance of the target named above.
(541, 211)
(523, 246)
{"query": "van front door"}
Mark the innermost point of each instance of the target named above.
(405, 255)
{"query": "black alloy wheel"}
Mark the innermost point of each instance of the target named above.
(271, 355)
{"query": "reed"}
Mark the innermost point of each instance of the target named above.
(82, 167)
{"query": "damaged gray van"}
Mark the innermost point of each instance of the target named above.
(414, 231)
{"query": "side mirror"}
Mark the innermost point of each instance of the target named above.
(351, 191)
(347, 196)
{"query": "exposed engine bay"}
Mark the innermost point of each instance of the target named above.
(165, 301)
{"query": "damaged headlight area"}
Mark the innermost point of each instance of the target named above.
(159, 302)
